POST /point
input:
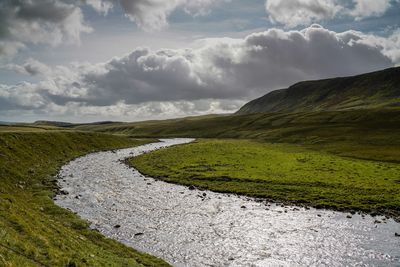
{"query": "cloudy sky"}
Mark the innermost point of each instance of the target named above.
(130, 60)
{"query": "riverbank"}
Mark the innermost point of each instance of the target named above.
(190, 227)
(279, 172)
(33, 230)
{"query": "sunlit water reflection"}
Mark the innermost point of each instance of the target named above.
(201, 228)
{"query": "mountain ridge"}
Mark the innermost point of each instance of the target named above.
(379, 89)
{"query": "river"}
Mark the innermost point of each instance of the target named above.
(202, 228)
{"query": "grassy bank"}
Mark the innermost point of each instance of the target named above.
(369, 134)
(33, 230)
(282, 172)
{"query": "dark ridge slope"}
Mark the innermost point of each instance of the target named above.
(372, 90)
(53, 123)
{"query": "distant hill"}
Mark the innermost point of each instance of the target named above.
(68, 124)
(53, 123)
(6, 123)
(372, 90)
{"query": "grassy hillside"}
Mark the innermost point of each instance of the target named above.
(27, 128)
(372, 90)
(282, 172)
(53, 123)
(33, 230)
(66, 125)
(369, 134)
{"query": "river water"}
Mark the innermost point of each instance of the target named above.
(201, 228)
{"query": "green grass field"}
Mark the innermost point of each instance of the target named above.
(345, 160)
(280, 172)
(369, 134)
(33, 230)
(27, 128)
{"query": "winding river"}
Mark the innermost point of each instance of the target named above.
(201, 228)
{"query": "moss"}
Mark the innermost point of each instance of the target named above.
(33, 230)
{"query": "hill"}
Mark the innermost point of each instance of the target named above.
(371, 90)
(372, 134)
(53, 123)
(66, 124)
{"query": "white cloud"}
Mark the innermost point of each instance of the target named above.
(200, 7)
(301, 12)
(101, 6)
(304, 12)
(393, 49)
(390, 45)
(21, 96)
(153, 14)
(368, 8)
(55, 22)
(10, 48)
(39, 22)
(149, 14)
(30, 67)
(216, 76)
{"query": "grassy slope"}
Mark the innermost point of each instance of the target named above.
(33, 230)
(370, 134)
(26, 128)
(371, 90)
(279, 172)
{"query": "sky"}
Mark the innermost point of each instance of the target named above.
(134, 60)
